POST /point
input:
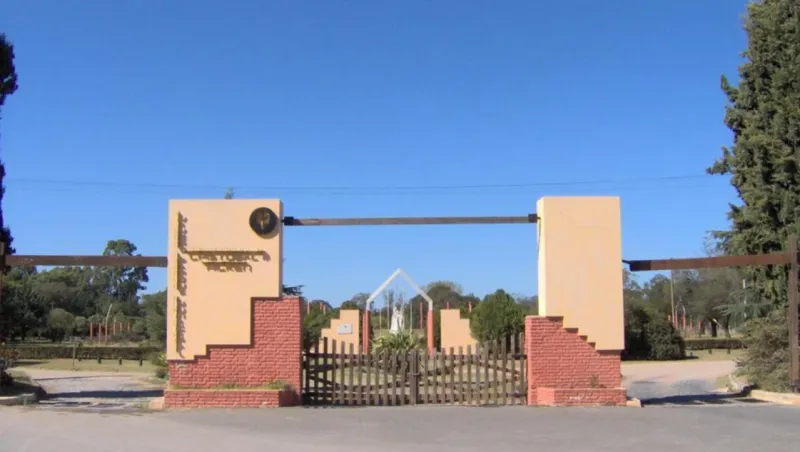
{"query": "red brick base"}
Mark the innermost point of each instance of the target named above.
(274, 354)
(564, 369)
(580, 397)
(205, 398)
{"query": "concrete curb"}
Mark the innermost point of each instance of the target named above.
(21, 399)
(776, 397)
(633, 403)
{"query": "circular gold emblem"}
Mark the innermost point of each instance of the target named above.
(263, 221)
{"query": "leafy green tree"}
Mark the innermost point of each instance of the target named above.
(313, 323)
(120, 285)
(530, 304)
(8, 85)
(23, 310)
(60, 323)
(81, 325)
(154, 307)
(497, 317)
(764, 116)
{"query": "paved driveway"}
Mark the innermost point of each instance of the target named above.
(420, 429)
(674, 380)
(658, 382)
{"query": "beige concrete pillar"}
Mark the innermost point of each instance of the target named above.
(580, 266)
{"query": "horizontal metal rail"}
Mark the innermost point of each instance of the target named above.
(386, 221)
(708, 262)
(16, 260)
(161, 261)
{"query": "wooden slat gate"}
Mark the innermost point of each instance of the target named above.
(492, 374)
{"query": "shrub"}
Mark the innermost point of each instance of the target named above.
(159, 360)
(9, 355)
(651, 336)
(766, 357)
(497, 317)
(401, 342)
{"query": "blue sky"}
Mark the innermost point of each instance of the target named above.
(123, 105)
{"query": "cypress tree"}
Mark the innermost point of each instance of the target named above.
(764, 115)
(8, 84)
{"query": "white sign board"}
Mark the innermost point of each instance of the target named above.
(345, 328)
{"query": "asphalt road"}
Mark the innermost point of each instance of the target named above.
(708, 428)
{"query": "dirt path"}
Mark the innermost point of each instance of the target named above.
(94, 390)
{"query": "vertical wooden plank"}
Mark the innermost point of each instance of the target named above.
(359, 371)
(400, 379)
(494, 372)
(406, 378)
(513, 345)
(451, 398)
(469, 375)
(424, 375)
(514, 367)
(306, 390)
(368, 397)
(321, 374)
(385, 366)
(461, 389)
(434, 383)
(342, 375)
(351, 391)
(794, 341)
(413, 377)
(503, 372)
(334, 357)
(485, 385)
(523, 386)
(441, 383)
(393, 378)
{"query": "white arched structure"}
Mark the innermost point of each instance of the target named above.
(392, 277)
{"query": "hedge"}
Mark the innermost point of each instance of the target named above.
(65, 352)
(713, 343)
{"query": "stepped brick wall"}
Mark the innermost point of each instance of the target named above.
(564, 368)
(234, 375)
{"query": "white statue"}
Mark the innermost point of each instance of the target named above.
(397, 319)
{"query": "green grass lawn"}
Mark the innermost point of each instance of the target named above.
(88, 365)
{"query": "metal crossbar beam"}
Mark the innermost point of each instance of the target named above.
(17, 260)
(708, 262)
(291, 221)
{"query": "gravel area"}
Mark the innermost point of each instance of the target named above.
(94, 390)
(670, 382)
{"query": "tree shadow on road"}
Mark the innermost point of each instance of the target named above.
(703, 399)
(107, 394)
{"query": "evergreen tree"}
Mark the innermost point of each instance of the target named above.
(764, 116)
(8, 84)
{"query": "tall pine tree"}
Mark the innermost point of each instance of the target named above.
(764, 166)
(8, 84)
